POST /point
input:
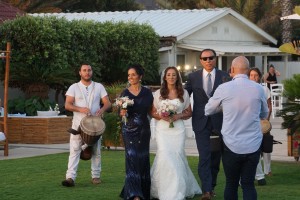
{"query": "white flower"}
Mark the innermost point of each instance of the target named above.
(171, 107)
(124, 102)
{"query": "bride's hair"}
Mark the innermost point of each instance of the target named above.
(164, 92)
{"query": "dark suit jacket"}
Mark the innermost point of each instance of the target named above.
(195, 85)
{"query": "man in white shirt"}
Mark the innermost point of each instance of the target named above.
(243, 104)
(255, 75)
(83, 98)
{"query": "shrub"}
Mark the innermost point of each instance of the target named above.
(49, 50)
(291, 111)
(29, 106)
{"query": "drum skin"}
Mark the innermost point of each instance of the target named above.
(265, 126)
(267, 141)
(91, 129)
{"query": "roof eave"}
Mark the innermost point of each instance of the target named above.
(253, 26)
(236, 15)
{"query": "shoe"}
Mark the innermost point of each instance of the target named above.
(68, 182)
(213, 194)
(262, 182)
(269, 174)
(96, 181)
(206, 196)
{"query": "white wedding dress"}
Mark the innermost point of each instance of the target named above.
(171, 176)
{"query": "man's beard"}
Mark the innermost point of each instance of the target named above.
(87, 79)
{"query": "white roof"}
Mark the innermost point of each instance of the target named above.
(166, 23)
(246, 50)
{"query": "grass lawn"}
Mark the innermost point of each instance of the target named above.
(39, 178)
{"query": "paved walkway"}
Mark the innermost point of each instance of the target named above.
(30, 150)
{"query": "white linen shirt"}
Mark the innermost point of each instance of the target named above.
(92, 101)
(243, 102)
(267, 92)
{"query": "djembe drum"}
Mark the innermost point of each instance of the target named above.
(91, 129)
(267, 142)
(265, 126)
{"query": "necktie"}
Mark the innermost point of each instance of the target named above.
(209, 85)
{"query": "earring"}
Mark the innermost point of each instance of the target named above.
(140, 80)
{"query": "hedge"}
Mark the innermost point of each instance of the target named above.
(51, 46)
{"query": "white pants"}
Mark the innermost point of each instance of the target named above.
(74, 157)
(260, 173)
(267, 162)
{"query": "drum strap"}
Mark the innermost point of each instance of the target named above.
(88, 99)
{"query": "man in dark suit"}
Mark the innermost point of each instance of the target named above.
(202, 85)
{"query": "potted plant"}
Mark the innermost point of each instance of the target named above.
(29, 106)
(114, 90)
(291, 114)
(112, 135)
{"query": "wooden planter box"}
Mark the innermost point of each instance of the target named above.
(293, 144)
(33, 130)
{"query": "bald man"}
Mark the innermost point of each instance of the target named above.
(243, 104)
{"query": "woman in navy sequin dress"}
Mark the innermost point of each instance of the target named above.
(136, 136)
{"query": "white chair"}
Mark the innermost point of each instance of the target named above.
(276, 97)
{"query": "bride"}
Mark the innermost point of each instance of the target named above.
(171, 176)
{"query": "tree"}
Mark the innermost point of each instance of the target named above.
(38, 6)
(50, 6)
(270, 18)
(286, 9)
(103, 5)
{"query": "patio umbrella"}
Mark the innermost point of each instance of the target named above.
(293, 16)
(289, 48)
(294, 46)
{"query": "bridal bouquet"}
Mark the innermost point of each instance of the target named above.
(123, 103)
(167, 109)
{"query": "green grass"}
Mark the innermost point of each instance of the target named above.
(39, 178)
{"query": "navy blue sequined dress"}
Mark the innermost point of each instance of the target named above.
(136, 136)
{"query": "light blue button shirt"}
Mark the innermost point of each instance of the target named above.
(243, 103)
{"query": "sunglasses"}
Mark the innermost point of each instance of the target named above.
(209, 58)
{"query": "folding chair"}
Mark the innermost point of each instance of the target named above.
(276, 97)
